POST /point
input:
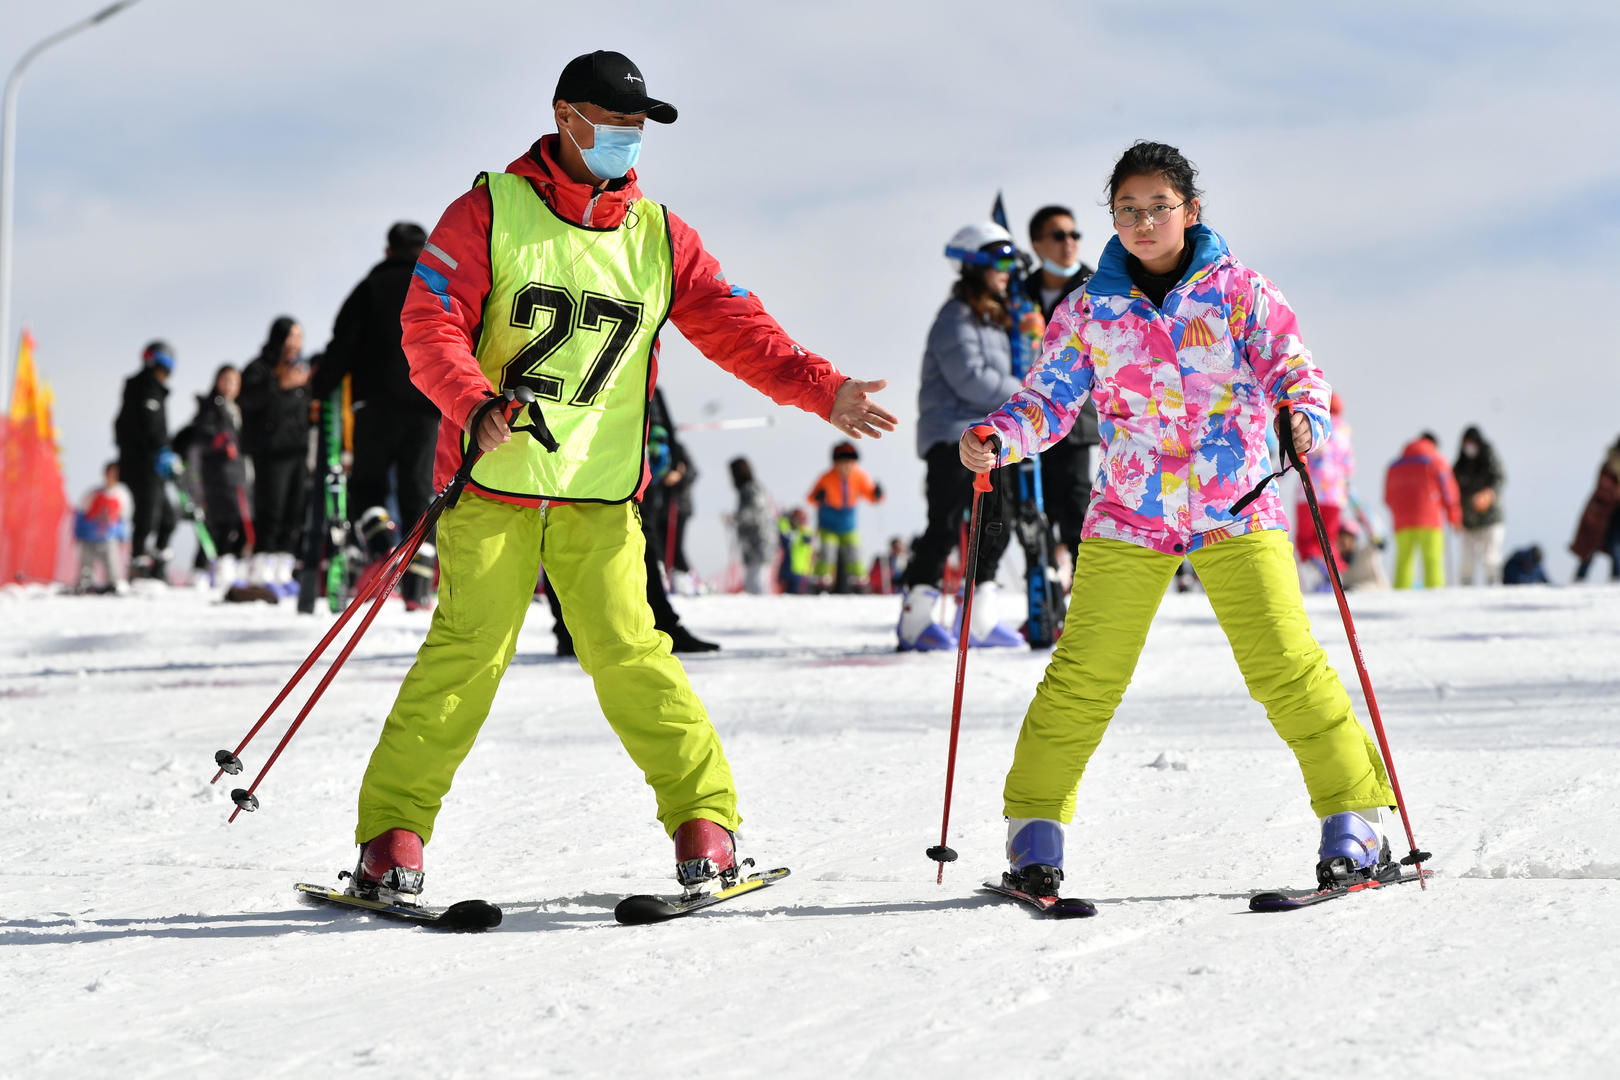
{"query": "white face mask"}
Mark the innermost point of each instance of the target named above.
(614, 152)
(1060, 271)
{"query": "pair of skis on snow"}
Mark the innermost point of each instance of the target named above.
(470, 915)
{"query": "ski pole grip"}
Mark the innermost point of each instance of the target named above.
(981, 481)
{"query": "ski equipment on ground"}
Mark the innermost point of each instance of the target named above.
(1056, 907)
(465, 915)
(229, 761)
(1288, 901)
(970, 565)
(326, 537)
(643, 909)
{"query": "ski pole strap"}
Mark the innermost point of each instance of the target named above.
(1285, 443)
(512, 402)
(986, 433)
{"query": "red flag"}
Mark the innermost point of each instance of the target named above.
(35, 508)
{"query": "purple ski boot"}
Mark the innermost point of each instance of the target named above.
(1353, 849)
(1034, 856)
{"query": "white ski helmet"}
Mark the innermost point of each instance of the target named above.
(964, 245)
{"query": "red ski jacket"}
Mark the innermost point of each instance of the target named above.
(445, 306)
(1420, 489)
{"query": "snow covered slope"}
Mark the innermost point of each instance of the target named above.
(142, 936)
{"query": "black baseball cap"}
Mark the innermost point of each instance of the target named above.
(610, 80)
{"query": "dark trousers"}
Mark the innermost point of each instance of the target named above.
(280, 493)
(153, 511)
(1066, 489)
(388, 437)
(948, 487)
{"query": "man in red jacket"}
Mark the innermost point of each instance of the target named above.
(557, 275)
(1421, 493)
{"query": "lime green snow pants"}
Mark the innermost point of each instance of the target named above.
(1431, 545)
(1254, 589)
(489, 558)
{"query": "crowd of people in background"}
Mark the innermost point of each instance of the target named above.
(240, 469)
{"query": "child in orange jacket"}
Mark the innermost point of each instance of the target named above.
(836, 495)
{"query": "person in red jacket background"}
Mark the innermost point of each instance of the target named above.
(1421, 493)
(557, 275)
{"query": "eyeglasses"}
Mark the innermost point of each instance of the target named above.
(1059, 235)
(1126, 216)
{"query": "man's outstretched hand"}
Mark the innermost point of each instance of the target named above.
(857, 415)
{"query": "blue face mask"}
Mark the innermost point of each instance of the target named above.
(1060, 271)
(614, 152)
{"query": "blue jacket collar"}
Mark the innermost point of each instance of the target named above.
(1113, 279)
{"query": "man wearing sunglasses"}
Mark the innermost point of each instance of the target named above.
(1065, 466)
(557, 276)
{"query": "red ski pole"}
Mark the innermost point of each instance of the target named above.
(1285, 437)
(981, 484)
(376, 592)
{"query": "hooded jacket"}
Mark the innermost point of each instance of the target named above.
(1184, 396)
(1420, 490)
(1475, 474)
(444, 306)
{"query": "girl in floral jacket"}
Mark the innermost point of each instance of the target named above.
(1186, 353)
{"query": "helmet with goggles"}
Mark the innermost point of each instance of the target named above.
(985, 244)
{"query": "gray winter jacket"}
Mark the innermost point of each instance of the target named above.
(966, 374)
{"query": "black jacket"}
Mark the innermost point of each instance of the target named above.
(366, 344)
(1084, 432)
(1475, 474)
(214, 440)
(142, 427)
(275, 422)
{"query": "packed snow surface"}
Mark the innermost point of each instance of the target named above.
(141, 935)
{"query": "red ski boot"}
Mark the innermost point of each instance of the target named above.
(705, 852)
(390, 868)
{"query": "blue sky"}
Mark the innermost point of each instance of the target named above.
(1435, 193)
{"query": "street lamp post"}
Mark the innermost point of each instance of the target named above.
(8, 146)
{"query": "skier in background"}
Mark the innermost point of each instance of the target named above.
(1421, 494)
(836, 495)
(755, 542)
(666, 508)
(1170, 302)
(275, 432)
(798, 546)
(1333, 464)
(142, 432)
(1599, 528)
(1066, 467)
(538, 277)
(966, 372)
(99, 526)
(1480, 477)
(395, 426)
(212, 445)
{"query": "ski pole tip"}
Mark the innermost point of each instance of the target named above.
(941, 854)
(227, 762)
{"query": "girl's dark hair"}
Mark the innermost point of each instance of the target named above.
(972, 290)
(1150, 159)
(741, 472)
(271, 352)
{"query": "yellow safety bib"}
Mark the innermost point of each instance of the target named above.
(573, 313)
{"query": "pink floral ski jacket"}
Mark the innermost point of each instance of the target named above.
(1185, 395)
